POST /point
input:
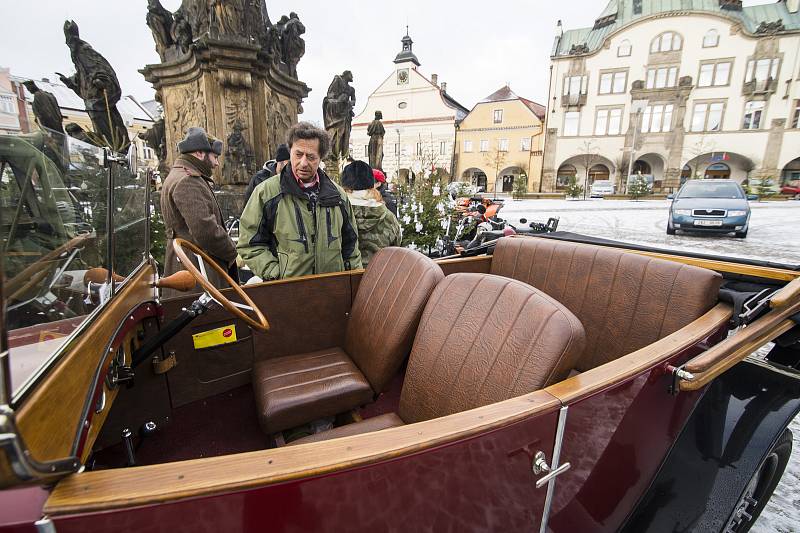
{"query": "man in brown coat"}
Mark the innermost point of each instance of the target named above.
(190, 209)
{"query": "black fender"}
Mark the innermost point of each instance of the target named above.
(738, 419)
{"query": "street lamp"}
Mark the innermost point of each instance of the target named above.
(637, 106)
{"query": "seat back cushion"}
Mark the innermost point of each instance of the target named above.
(483, 339)
(625, 301)
(386, 312)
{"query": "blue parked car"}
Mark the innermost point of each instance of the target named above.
(710, 205)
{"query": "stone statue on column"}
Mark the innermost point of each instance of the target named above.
(45, 108)
(96, 83)
(337, 112)
(294, 47)
(376, 131)
(160, 22)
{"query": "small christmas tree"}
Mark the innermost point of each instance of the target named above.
(520, 188)
(423, 211)
(638, 187)
(573, 189)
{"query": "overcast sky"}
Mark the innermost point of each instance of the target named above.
(474, 48)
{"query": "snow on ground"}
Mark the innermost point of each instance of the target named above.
(774, 235)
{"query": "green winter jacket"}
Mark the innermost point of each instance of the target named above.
(377, 226)
(283, 233)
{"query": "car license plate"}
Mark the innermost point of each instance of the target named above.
(707, 222)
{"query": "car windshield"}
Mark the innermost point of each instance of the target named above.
(602, 183)
(54, 199)
(709, 189)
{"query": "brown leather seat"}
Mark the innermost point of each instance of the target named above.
(482, 339)
(296, 389)
(625, 301)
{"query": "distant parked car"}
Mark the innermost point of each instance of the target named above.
(792, 188)
(601, 188)
(716, 206)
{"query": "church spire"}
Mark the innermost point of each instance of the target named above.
(406, 54)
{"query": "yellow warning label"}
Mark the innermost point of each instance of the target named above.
(214, 337)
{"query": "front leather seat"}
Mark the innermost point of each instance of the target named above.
(482, 339)
(297, 389)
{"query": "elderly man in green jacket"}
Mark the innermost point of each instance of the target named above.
(299, 222)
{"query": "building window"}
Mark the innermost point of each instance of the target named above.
(366, 150)
(571, 121)
(419, 149)
(442, 147)
(657, 118)
(608, 121)
(484, 145)
(525, 144)
(714, 74)
(624, 49)
(762, 69)
(613, 82)
(467, 146)
(711, 39)
(795, 123)
(498, 116)
(504, 145)
(575, 85)
(7, 104)
(666, 42)
(396, 149)
(402, 105)
(707, 116)
(658, 78)
(753, 111)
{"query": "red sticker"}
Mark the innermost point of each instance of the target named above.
(227, 333)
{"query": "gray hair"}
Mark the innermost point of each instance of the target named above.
(308, 131)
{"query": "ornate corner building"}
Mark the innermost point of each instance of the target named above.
(676, 90)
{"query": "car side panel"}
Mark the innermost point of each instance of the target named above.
(615, 441)
(480, 483)
(738, 419)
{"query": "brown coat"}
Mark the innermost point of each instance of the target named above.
(191, 212)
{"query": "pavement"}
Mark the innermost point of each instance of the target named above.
(774, 235)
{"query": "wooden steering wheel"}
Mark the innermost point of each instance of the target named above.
(259, 322)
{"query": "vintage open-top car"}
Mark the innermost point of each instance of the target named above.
(552, 385)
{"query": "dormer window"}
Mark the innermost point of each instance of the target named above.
(711, 39)
(666, 42)
(498, 116)
(624, 49)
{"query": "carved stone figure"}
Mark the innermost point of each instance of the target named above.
(75, 131)
(337, 112)
(182, 32)
(238, 156)
(160, 22)
(45, 108)
(376, 131)
(96, 83)
(294, 47)
(229, 19)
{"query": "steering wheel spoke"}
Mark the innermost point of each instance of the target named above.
(237, 309)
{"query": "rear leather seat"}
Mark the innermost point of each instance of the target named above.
(625, 301)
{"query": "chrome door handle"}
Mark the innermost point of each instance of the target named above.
(542, 481)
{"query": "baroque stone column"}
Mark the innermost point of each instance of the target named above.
(227, 72)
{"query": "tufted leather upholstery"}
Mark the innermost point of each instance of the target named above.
(296, 389)
(625, 301)
(386, 312)
(483, 339)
